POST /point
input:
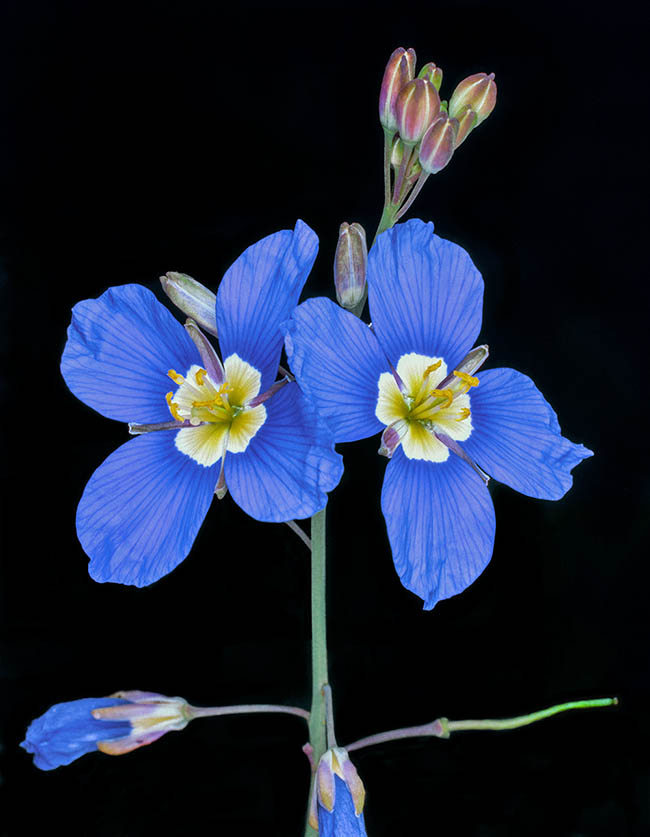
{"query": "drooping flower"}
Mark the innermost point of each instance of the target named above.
(203, 426)
(338, 797)
(411, 375)
(114, 725)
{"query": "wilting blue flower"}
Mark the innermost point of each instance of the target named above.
(425, 298)
(114, 725)
(131, 360)
(338, 797)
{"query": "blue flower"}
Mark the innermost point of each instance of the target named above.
(204, 425)
(410, 376)
(338, 797)
(113, 725)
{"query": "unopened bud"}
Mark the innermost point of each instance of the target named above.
(416, 107)
(437, 144)
(466, 121)
(431, 73)
(193, 299)
(350, 262)
(478, 92)
(399, 71)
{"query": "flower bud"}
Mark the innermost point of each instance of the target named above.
(478, 92)
(338, 796)
(416, 107)
(193, 298)
(350, 262)
(431, 73)
(437, 144)
(115, 725)
(466, 121)
(399, 71)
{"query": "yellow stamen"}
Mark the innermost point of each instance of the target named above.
(447, 394)
(176, 378)
(199, 376)
(173, 409)
(432, 368)
(468, 380)
(464, 413)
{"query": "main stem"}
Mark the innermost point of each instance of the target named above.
(318, 717)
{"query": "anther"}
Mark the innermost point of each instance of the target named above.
(199, 375)
(464, 413)
(468, 380)
(432, 368)
(173, 409)
(447, 394)
(176, 378)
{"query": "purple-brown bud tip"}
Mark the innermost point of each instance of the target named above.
(350, 262)
(438, 144)
(478, 92)
(431, 73)
(399, 71)
(417, 106)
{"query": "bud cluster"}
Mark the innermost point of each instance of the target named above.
(416, 120)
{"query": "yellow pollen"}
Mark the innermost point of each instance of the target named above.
(199, 376)
(468, 380)
(432, 368)
(173, 409)
(176, 378)
(464, 413)
(447, 394)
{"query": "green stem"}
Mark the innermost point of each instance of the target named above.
(442, 727)
(318, 715)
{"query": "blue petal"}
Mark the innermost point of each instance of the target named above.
(142, 508)
(516, 436)
(68, 730)
(259, 291)
(440, 522)
(337, 361)
(119, 350)
(289, 465)
(342, 820)
(425, 294)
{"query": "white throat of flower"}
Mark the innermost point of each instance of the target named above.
(416, 409)
(221, 415)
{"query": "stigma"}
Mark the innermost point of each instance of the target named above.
(426, 401)
(221, 416)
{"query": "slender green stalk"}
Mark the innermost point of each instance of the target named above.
(523, 720)
(442, 727)
(318, 714)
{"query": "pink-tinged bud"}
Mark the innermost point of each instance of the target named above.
(150, 715)
(416, 107)
(193, 299)
(431, 73)
(399, 71)
(350, 262)
(478, 92)
(466, 121)
(438, 143)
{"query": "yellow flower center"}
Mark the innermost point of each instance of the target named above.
(220, 414)
(420, 409)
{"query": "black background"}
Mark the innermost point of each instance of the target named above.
(155, 137)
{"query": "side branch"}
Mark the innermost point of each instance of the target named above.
(442, 727)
